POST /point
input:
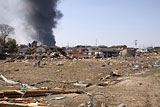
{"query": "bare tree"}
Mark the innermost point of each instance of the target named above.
(5, 30)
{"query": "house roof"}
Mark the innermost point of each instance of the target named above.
(118, 46)
(108, 50)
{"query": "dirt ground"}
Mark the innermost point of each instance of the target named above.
(136, 85)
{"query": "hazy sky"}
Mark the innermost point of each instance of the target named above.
(110, 22)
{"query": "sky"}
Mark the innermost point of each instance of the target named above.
(109, 22)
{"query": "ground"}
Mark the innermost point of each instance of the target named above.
(137, 83)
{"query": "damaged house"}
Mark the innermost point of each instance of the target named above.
(78, 52)
(119, 47)
(93, 50)
(23, 50)
(55, 51)
(108, 52)
(157, 49)
(103, 52)
(129, 52)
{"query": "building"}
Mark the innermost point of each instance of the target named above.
(157, 49)
(119, 47)
(77, 50)
(93, 50)
(23, 50)
(129, 52)
(108, 52)
(103, 51)
(150, 49)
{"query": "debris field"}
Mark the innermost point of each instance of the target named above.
(109, 82)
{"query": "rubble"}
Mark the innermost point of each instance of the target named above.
(112, 74)
(58, 98)
(81, 84)
(122, 105)
(36, 104)
(8, 81)
(37, 64)
(21, 97)
(115, 77)
(156, 65)
(60, 64)
(90, 104)
(30, 93)
(82, 105)
(103, 105)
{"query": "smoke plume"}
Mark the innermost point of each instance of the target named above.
(32, 19)
(43, 16)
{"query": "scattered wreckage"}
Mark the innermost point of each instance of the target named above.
(20, 98)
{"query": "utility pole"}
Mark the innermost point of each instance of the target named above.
(67, 45)
(135, 43)
(96, 42)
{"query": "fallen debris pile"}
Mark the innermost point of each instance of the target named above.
(34, 93)
(36, 104)
(19, 98)
(118, 79)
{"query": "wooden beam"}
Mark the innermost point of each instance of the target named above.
(7, 104)
(33, 93)
(54, 91)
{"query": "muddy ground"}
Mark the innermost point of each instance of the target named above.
(136, 83)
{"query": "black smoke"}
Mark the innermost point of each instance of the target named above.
(43, 16)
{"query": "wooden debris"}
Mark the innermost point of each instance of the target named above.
(54, 91)
(22, 102)
(103, 105)
(19, 92)
(57, 106)
(33, 93)
(82, 84)
(8, 104)
(8, 81)
(58, 98)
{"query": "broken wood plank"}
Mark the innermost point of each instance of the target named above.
(57, 106)
(53, 91)
(9, 92)
(16, 92)
(19, 92)
(34, 93)
(7, 104)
